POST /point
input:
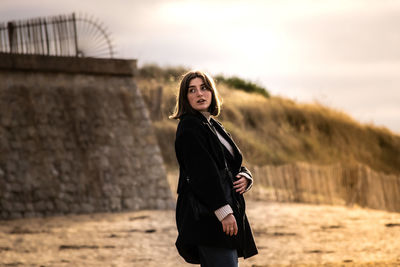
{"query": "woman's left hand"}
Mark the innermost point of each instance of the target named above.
(241, 184)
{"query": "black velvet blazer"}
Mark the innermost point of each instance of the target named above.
(201, 157)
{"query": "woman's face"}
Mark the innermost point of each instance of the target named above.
(199, 96)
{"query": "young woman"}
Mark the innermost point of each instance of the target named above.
(213, 229)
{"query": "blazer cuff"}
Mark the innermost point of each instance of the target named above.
(248, 177)
(222, 212)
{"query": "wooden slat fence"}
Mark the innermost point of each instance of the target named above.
(333, 184)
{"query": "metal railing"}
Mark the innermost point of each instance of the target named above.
(63, 35)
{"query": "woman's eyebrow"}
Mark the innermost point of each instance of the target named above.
(195, 86)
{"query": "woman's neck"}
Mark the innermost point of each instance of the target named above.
(206, 114)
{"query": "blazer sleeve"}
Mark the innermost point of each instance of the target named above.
(200, 166)
(247, 174)
(246, 171)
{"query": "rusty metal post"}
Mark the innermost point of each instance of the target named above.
(10, 27)
(75, 35)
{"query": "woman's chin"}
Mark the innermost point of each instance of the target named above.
(202, 108)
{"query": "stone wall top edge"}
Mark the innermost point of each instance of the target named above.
(42, 63)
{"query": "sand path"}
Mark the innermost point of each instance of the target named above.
(286, 234)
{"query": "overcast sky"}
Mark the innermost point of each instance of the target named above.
(344, 54)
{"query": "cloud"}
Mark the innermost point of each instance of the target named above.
(364, 35)
(342, 53)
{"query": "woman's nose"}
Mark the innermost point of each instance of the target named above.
(199, 93)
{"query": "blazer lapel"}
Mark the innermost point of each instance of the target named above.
(210, 128)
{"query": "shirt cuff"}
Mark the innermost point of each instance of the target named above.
(248, 178)
(222, 212)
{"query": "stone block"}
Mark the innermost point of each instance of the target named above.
(111, 190)
(26, 187)
(161, 204)
(7, 195)
(127, 140)
(40, 206)
(43, 120)
(132, 203)
(136, 164)
(64, 178)
(70, 188)
(107, 176)
(54, 172)
(163, 193)
(122, 171)
(6, 205)
(171, 204)
(151, 203)
(104, 162)
(61, 206)
(115, 204)
(69, 145)
(42, 129)
(129, 190)
(4, 215)
(23, 166)
(30, 146)
(49, 206)
(6, 120)
(24, 122)
(16, 145)
(30, 214)
(40, 194)
(157, 160)
(150, 191)
(36, 183)
(11, 178)
(29, 207)
(87, 208)
(74, 208)
(15, 215)
(151, 149)
(18, 206)
(57, 144)
(31, 131)
(11, 166)
(16, 155)
(65, 167)
(4, 143)
(14, 187)
(15, 123)
(66, 197)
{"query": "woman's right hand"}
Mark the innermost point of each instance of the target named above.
(229, 225)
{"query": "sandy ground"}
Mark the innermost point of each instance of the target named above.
(286, 234)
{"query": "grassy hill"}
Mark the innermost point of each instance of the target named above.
(274, 130)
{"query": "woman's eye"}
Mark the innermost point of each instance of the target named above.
(191, 90)
(203, 88)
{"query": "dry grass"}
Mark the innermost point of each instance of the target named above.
(278, 131)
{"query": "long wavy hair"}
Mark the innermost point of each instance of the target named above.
(183, 106)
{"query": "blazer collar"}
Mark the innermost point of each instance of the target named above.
(197, 115)
(218, 127)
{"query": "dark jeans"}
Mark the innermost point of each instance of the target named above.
(218, 257)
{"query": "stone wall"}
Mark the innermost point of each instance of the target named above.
(75, 137)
